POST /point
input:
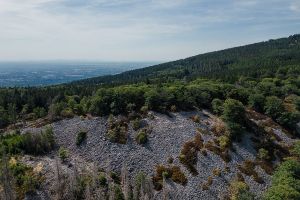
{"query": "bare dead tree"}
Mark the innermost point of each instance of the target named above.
(7, 179)
(125, 181)
(149, 188)
(165, 189)
(111, 191)
(88, 192)
(59, 182)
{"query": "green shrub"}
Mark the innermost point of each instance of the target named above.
(239, 190)
(285, 181)
(234, 111)
(25, 179)
(118, 194)
(217, 106)
(136, 124)
(29, 143)
(115, 177)
(63, 153)
(102, 180)
(257, 102)
(224, 141)
(39, 112)
(117, 130)
(81, 137)
(263, 154)
(141, 137)
(274, 107)
(296, 148)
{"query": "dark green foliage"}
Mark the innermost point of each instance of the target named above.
(22, 177)
(285, 182)
(255, 60)
(29, 143)
(217, 106)
(296, 149)
(234, 111)
(274, 107)
(102, 180)
(115, 177)
(63, 153)
(117, 131)
(162, 87)
(136, 124)
(118, 193)
(81, 137)
(141, 137)
(79, 187)
(39, 112)
(257, 102)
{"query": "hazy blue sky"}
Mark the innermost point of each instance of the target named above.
(136, 30)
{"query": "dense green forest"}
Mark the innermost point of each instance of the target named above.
(263, 77)
(250, 73)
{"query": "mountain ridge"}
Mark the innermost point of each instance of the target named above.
(213, 64)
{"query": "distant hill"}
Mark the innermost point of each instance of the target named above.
(253, 60)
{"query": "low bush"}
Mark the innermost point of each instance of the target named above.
(170, 160)
(63, 153)
(115, 177)
(285, 181)
(248, 168)
(224, 142)
(189, 153)
(136, 124)
(240, 190)
(263, 154)
(117, 131)
(219, 128)
(25, 179)
(102, 180)
(216, 172)
(29, 143)
(142, 137)
(223, 153)
(173, 172)
(81, 137)
(178, 176)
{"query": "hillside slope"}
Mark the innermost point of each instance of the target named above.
(250, 60)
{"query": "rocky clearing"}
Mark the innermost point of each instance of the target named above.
(166, 140)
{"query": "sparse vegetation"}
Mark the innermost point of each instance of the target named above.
(240, 190)
(142, 137)
(136, 124)
(63, 153)
(189, 153)
(172, 172)
(248, 168)
(117, 130)
(30, 143)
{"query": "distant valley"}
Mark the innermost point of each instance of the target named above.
(49, 73)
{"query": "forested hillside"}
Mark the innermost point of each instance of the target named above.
(248, 93)
(255, 60)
